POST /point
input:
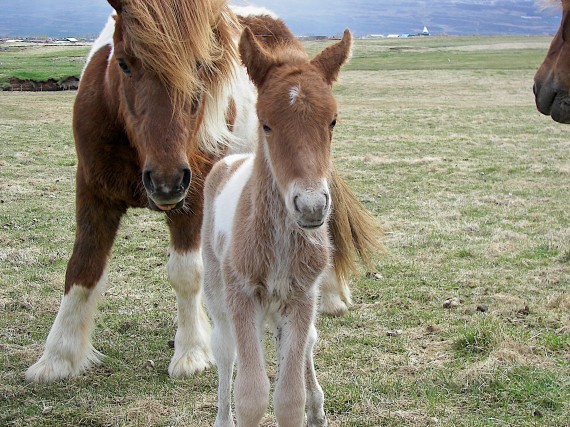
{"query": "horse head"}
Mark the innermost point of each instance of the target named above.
(297, 114)
(552, 79)
(162, 54)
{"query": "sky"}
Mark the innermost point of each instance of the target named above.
(67, 18)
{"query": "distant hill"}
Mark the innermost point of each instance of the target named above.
(64, 18)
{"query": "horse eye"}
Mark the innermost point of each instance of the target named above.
(266, 129)
(333, 124)
(195, 106)
(124, 66)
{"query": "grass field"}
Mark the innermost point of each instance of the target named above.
(467, 322)
(40, 63)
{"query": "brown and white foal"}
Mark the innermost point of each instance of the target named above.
(266, 244)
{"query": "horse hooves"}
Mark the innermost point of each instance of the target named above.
(189, 363)
(50, 368)
(333, 306)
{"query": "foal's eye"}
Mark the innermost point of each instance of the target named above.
(333, 124)
(124, 66)
(266, 129)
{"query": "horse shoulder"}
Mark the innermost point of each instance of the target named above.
(223, 188)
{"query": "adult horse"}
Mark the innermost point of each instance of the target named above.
(163, 96)
(552, 80)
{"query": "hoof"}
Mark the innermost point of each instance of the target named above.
(50, 368)
(189, 363)
(332, 305)
(320, 422)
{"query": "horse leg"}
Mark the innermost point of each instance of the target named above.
(184, 269)
(315, 396)
(251, 384)
(223, 343)
(335, 294)
(293, 331)
(223, 347)
(68, 350)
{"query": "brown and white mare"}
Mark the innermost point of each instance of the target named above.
(162, 96)
(149, 119)
(265, 237)
(552, 79)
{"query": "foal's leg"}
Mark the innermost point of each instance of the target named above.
(315, 396)
(252, 384)
(293, 330)
(223, 343)
(335, 294)
(184, 268)
(223, 347)
(68, 350)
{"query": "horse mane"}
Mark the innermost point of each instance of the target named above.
(173, 38)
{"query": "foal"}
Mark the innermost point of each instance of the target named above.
(265, 238)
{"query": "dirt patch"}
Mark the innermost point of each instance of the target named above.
(16, 84)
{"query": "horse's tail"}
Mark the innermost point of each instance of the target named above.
(356, 234)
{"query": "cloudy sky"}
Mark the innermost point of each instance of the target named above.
(65, 18)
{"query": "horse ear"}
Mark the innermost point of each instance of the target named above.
(329, 61)
(116, 4)
(254, 57)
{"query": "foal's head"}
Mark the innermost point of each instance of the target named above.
(552, 80)
(166, 55)
(297, 114)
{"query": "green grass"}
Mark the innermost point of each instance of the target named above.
(38, 63)
(472, 185)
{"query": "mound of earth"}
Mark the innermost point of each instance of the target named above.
(16, 84)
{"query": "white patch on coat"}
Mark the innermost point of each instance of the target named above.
(105, 39)
(225, 204)
(68, 350)
(245, 129)
(294, 94)
(192, 341)
(252, 11)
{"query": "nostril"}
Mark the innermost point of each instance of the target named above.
(147, 180)
(186, 178)
(295, 204)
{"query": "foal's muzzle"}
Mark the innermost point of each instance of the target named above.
(311, 208)
(167, 192)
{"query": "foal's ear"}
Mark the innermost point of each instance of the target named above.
(116, 4)
(329, 61)
(254, 57)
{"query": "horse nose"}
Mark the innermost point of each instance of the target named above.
(167, 189)
(312, 208)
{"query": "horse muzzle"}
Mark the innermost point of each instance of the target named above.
(552, 102)
(167, 193)
(311, 208)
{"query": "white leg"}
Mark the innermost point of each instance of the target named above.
(335, 294)
(68, 350)
(315, 397)
(223, 347)
(192, 341)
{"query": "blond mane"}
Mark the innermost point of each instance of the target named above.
(173, 38)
